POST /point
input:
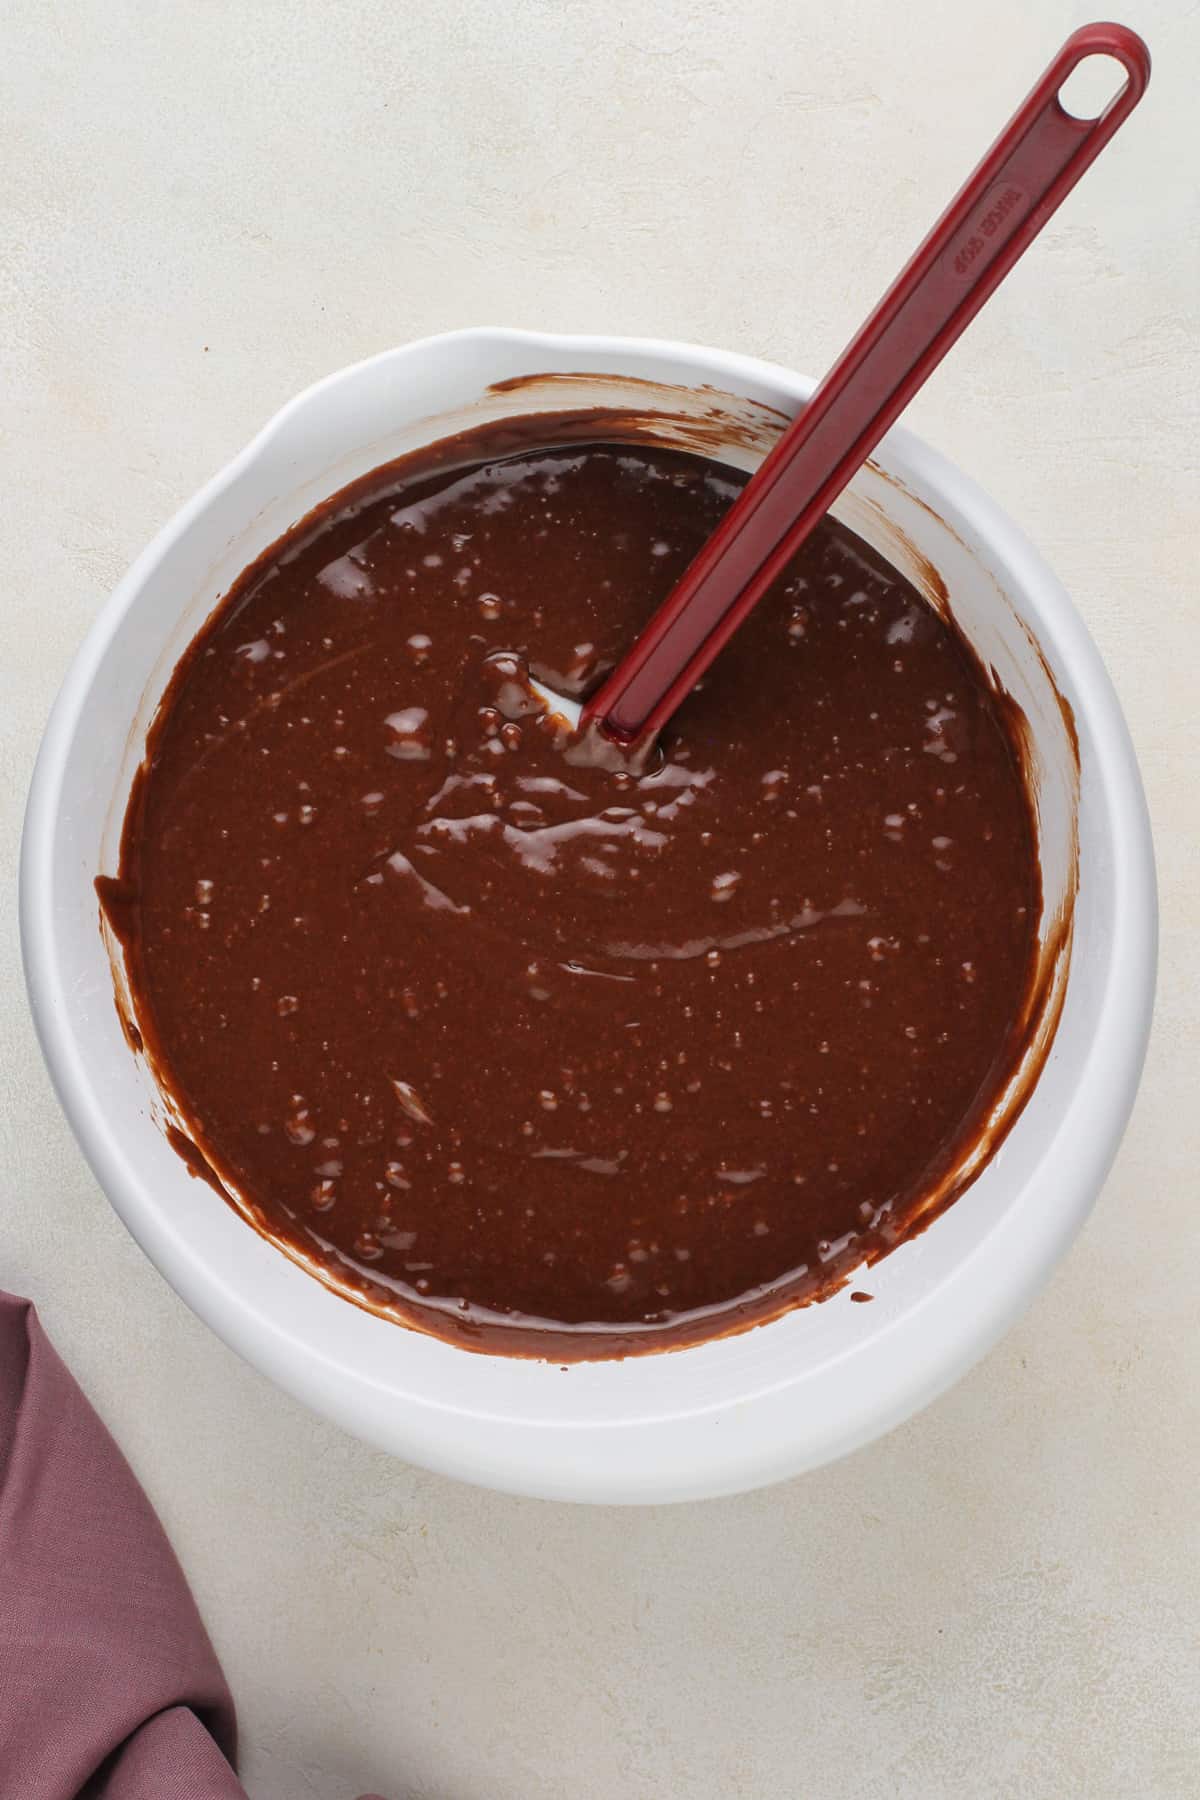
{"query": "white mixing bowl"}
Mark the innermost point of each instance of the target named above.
(723, 1416)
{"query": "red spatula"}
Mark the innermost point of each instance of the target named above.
(1028, 172)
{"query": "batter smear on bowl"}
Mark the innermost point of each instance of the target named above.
(556, 1058)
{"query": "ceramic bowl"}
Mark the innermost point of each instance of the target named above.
(722, 1416)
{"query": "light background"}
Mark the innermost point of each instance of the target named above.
(205, 206)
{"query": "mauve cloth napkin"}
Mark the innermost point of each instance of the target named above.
(109, 1687)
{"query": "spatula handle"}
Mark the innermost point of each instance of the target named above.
(1027, 173)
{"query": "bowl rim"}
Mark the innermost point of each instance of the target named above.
(931, 1343)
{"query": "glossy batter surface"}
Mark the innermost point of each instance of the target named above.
(505, 1040)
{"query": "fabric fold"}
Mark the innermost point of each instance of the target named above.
(109, 1686)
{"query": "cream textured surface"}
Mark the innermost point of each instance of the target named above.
(207, 206)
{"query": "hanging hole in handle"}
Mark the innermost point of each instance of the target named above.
(1092, 86)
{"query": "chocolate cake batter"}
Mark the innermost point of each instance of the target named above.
(548, 1056)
